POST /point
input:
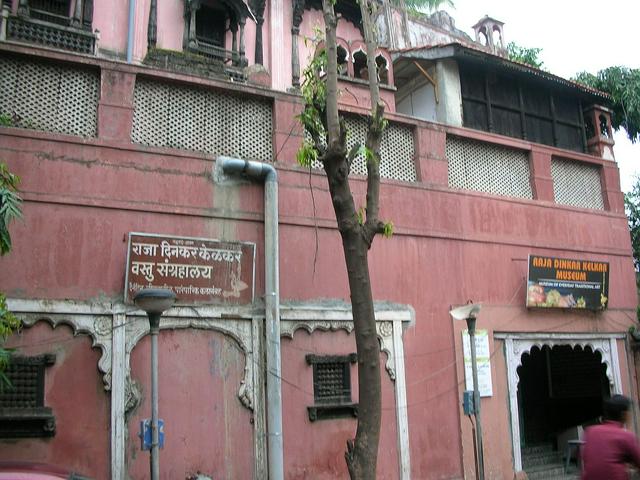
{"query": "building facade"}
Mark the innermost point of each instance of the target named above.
(118, 120)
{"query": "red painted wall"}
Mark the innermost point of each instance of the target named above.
(315, 450)
(207, 429)
(82, 197)
(75, 392)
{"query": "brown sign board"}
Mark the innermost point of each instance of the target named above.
(197, 270)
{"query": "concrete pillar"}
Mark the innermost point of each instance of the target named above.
(449, 108)
(115, 109)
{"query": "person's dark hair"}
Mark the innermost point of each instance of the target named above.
(615, 407)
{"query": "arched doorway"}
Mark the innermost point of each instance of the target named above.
(560, 388)
(522, 348)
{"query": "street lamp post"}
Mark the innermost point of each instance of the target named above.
(154, 301)
(468, 313)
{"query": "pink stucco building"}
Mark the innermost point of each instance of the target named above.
(116, 115)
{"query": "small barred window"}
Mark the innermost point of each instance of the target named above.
(331, 386)
(22, 409)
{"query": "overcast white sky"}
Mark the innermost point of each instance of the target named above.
(574, 35)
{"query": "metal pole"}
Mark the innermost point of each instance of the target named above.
(130, 32)
(154, 323)
(272, 300)
(471, 325)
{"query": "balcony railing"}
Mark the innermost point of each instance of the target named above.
(231, 60)
(50, 34)
(217, 53)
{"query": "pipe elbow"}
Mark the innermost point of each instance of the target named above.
(249, 168)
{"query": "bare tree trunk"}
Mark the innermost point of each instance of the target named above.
(357, 236)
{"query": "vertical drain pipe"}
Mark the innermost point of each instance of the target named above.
(267, 173)
(130, 32)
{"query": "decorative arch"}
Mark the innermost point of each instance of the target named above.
(359, 63)
(344, 57)
(517, 344)
(96, 327)
(238, 330)
(391, 319)
(116, 328)
(524, 346)
(384, 332)
(383, 53)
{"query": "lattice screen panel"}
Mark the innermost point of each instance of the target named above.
(197, 119)
(396, 150)
(576, 184)
(25, 380)
(488, 168)
(53, 98)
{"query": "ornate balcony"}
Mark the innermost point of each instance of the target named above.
(39, 23)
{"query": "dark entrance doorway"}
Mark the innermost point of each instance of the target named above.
(559, 388)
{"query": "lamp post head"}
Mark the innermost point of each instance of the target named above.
(465, 312)
(154, 301)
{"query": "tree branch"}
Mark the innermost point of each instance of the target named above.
(374, 136)
(368, 9)
(333, 122)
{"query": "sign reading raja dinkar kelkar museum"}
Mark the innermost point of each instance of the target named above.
(197, 270)
(563, 283)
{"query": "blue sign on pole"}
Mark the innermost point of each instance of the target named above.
(145, 434)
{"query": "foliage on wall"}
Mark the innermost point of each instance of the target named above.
(623, 85)
(530, 56)
(10, 210)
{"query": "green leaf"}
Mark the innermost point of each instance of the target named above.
(388, 230)
(6, 120)
(307, 154)
(353, 152)
(529, 56)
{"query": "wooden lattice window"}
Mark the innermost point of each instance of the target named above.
(55, 11)
(521, 107)
(331, 386)
(22, 409)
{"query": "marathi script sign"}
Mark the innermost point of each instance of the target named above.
(197, 270)
(564, 283)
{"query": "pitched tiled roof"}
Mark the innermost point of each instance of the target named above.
(460, 50)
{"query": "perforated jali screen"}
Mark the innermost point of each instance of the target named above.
(330, 384)
(576, 184)
(396, 150)
(203, 120)
(53, 98)
(25, 378)
(488, 168)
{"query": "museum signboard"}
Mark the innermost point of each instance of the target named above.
(197, 270)
(566, 283)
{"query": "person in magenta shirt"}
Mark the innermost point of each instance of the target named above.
(609, 448)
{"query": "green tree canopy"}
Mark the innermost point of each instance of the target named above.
(632, 209)
(530, 56)
(623, 85)
(418, 5)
